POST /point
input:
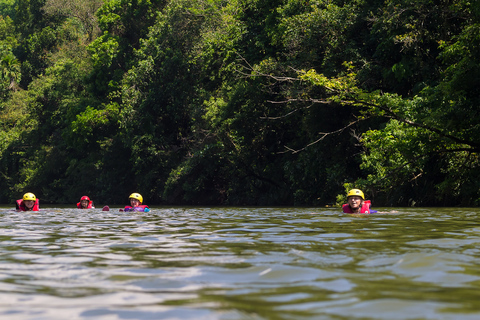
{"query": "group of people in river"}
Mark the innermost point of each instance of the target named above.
(356, 203)
(30, 202)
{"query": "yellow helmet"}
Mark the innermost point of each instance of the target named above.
(137, 196)
(29, 196)
(356, 192)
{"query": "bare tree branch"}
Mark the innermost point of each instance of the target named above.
(323, 136)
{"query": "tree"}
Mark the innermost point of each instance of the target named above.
(10, 74)
(29, 17)
(123, 24)
(7, 8)
(83, 10)
(430, 144)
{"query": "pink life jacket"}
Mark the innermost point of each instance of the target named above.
(21, 205)
(365, 207)
(90, 205)
(140, 208)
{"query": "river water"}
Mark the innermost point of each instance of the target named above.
(240, 263)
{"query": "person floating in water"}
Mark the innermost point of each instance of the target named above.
(356, 203)
(85, 203)
(29, 202)
(136, 201)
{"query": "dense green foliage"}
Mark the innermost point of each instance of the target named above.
(240, 102)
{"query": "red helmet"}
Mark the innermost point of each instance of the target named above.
(84, 198)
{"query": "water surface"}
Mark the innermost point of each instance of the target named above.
(240, 263)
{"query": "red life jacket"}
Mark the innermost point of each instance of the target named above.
(21, 205)
(140, 208)
(90, 205)
(364, 209)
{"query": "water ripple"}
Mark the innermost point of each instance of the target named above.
(240, 263)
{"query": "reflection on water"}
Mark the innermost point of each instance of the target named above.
(240, 263)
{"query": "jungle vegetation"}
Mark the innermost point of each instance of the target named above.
(241, 102)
